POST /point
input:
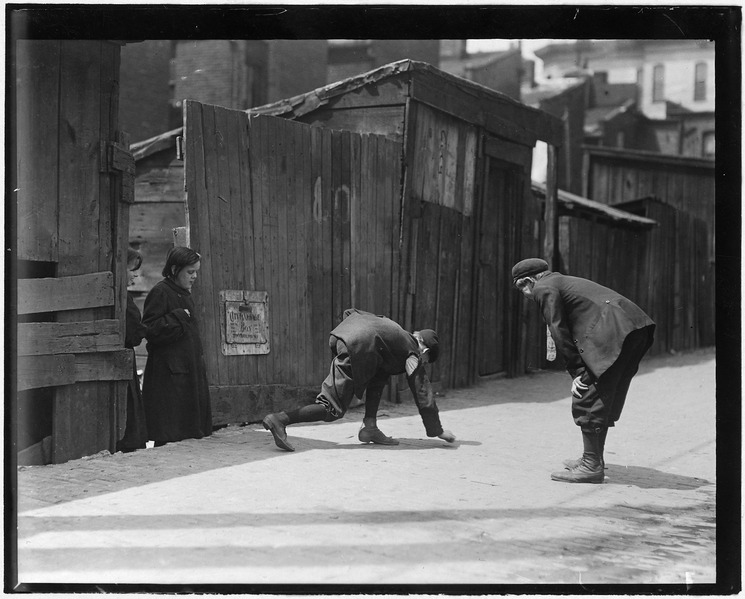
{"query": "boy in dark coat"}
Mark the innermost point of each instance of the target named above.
(602, 337)
(367, 350)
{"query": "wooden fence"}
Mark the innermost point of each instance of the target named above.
(74, 182)
(664, 269)
(613, 176)
(304, 214)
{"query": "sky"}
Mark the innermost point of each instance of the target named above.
(498, 44)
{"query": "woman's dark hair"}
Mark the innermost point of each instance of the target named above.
(179, 257)
(133, 257)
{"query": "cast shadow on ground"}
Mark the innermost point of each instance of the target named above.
(649, 478)
(306, 444)
(39, 486)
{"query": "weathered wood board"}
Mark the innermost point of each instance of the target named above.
(309, 217)
(75, 292)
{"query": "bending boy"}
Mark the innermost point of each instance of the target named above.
(367, 350)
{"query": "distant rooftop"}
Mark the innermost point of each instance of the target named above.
(549, 89)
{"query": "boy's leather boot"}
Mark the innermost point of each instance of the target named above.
(275, 424)
(590, 468)
(370, 433)
(569, 464)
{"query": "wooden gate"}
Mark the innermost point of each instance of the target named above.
(294, 224)
(73, 179)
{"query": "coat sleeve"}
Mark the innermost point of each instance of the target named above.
(425, 401)
(164, 326)
(134, 330)
(552, 307)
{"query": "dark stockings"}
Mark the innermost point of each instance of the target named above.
(312, 413)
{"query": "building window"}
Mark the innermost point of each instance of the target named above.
(658, 83)
(709, 142)
(699, 84)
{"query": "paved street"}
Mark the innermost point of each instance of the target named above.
(233, 509)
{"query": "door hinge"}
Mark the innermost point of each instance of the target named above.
(117, 158)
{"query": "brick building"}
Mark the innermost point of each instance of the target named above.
(144, 88)
(501, 71)
(157, 75)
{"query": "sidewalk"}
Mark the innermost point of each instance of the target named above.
(234, 509)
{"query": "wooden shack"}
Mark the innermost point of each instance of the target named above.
(404, 191)
(614, 176)
(73, 183)
(649, 251)
(678, 277)
(675, 277)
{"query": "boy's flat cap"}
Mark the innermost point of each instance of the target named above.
(528, 267)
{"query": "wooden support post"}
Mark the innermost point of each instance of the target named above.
(181, 237)
(551, 213)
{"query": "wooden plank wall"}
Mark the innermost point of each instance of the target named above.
(84, 207)
(454, 227)
(37, 94)
(687, 184)
(665, 270)
(159, 207)
(680, 280)
(609, 255)
(439, 232)
(308, 215)
(71, 214)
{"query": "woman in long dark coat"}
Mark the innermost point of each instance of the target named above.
(135, 433)
(175, 390)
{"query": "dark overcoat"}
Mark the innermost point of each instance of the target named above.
(588, 322)
(175, 388)
(135, 432)
(376, 345)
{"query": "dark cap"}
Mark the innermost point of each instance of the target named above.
(528, 267)
(429, 337)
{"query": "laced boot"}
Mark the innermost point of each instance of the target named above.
(275, 424)
(569, 464)
(370, 433)
(590, 468)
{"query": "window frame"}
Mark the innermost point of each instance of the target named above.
(705, 136)
(699, 82)
(658, 83)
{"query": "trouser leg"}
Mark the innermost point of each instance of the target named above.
(601, 405)
(591, 409)
(337, 390)
(617, 379)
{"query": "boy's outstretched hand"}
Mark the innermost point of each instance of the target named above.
(447, 436)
